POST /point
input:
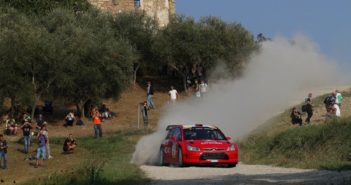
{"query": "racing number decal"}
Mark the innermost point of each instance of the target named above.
(174, 150)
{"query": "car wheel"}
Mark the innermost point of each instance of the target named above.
(180, 158)
(231, 165)
(161, 158)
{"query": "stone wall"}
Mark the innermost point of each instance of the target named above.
(159, 9)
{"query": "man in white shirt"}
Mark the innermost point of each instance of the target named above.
(173, 94)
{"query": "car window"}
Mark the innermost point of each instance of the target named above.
(170, 133)
(203, 133)
(178, 134)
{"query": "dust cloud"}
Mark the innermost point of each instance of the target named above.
(278, 76)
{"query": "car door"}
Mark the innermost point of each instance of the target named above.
(167, 146)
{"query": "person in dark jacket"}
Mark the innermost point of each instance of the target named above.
(295, 116)
(309, 108)
(3, 152)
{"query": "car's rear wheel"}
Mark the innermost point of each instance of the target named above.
(161, 158)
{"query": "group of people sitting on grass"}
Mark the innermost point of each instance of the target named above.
(332, 105)
(70, 118)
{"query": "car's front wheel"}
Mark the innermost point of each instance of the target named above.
(180, 158)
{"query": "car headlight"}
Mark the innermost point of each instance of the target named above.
(231, 148)
(192, 148)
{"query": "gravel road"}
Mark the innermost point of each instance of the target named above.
(244, 174)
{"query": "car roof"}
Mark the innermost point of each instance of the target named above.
(185, 126)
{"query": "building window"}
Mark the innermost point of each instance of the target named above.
(137, 3)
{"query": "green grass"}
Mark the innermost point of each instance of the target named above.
(107, 162)
(324, 146)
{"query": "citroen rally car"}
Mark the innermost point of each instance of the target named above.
(197, 145)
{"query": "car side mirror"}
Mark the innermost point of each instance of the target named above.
(228, 138)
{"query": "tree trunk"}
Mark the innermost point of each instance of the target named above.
(80, 109)
(135, 74)
(12, 109)
(35, 102)
(184, 84)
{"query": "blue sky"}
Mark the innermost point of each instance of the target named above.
(326, 22)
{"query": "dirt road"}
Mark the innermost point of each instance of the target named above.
(244, 174)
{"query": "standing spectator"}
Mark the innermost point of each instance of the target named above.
(46, 134)
(26, 127)
(3, 152)
(197, 89)
(295, 116)
(97, 123)
(336, 110)
(70, 144)
(309, 110)
(173, 94)
(338, 98)
(145, 114)
(150, 94)
(40, 121)
(69, 119)
(26, 117)
(41, 151)
(329, 101)
(203, 88)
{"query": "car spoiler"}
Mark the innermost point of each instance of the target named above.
(169, 127)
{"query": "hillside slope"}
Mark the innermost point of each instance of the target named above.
(325, 144)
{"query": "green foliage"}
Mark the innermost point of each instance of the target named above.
(326, 146)
(40, 7)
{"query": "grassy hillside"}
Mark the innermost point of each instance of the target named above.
(321, 145)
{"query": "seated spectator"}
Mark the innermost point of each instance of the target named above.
(11, 126)
(70, 144)
(105, 112)
(296, 116)
(69, 119)
(79, 121)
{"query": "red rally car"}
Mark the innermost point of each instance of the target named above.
(197, 145)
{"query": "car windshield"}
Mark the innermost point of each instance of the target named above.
(203, 133)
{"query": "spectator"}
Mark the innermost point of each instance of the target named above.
(40, 121)
(97, 123)
(3, 152)
(173, 94)
(203, 88)
(336, 110)
(150, 94)
(295, 116)
(308, 108)
(48, 107)
(105, 112)
(69, 119)
(329, 101)
(197, 89)
(70, 144)
(46, 134)
(26, 117)
(12, 126)
(309, 111)
(145, 114)
(41, 151)
(338, 98)
(79, 121)
(26, 127)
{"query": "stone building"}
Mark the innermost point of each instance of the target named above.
(159, 9)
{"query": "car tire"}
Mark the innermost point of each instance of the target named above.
(161, 158)
(232, 165)
(180, 158)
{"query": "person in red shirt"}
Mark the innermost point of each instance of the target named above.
(97, 123)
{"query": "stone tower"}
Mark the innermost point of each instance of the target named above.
(162, 10)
